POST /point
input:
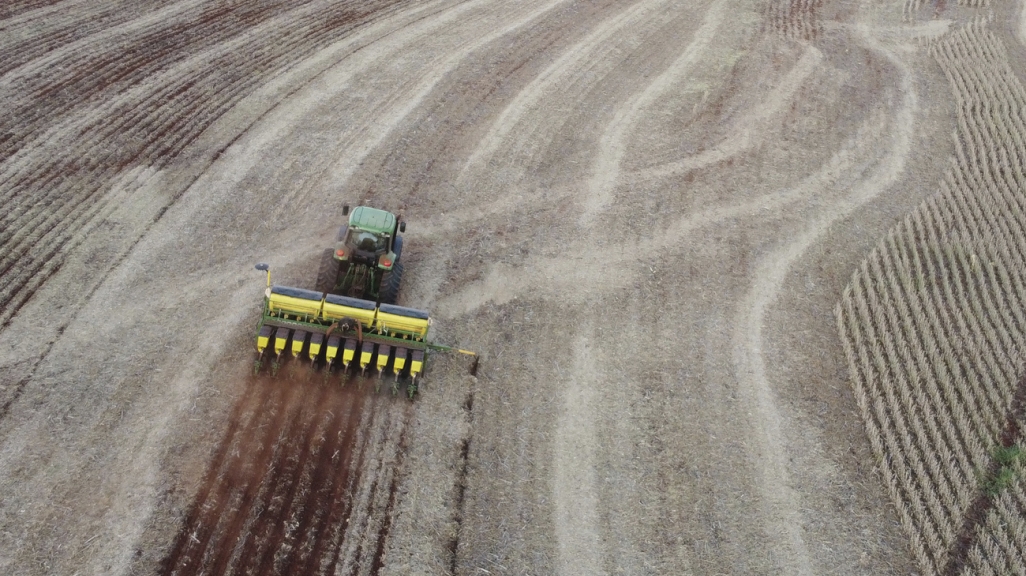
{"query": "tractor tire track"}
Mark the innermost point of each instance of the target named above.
(577, 71)
(782, 502)
(612, 145)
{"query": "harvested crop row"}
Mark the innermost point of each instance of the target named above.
(304, 482)
(15, 7)
(933, 329)
(23, 39)
(59, 176)
(1000, 538)
(794, 19)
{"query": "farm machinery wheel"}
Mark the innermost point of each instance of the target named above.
(390, 284)
(327, 275)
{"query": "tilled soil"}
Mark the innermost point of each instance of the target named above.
(641, 214)
(280, 490)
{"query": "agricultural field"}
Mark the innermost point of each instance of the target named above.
(934, 331)
(746, 278)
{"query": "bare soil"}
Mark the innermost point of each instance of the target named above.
(641, 214)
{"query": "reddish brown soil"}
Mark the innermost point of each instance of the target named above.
(641, 213)
(284, 477)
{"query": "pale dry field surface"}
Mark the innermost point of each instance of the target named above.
(645, 215)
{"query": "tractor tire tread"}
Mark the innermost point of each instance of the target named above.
(390, 284)
(327, 274)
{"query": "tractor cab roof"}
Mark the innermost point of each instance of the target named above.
(372, 220)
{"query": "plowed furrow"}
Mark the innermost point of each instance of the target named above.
(34, 35)
(90, 77)
(347, 558)
(393, 489)
(303, 502)
(93, 72)
(253, 437)
(340, 535)
(365, 526)
(282, 478)
(240, 482)
(280, 492)
(327, 487)
(325, 533)
(40, 101)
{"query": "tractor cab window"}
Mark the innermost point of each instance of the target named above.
(367, 241)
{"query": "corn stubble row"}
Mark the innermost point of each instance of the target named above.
(934, 328)
(794, 19)
(911, 7)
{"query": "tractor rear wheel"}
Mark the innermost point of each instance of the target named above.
(390, 284)
(327, 275)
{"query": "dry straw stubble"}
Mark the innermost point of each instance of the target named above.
(933, 329)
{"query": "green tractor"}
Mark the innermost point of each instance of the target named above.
(351, 318)
(365, 261)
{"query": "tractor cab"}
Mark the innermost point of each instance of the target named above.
(370, 238)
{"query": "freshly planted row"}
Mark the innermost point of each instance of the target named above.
(304, 482)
